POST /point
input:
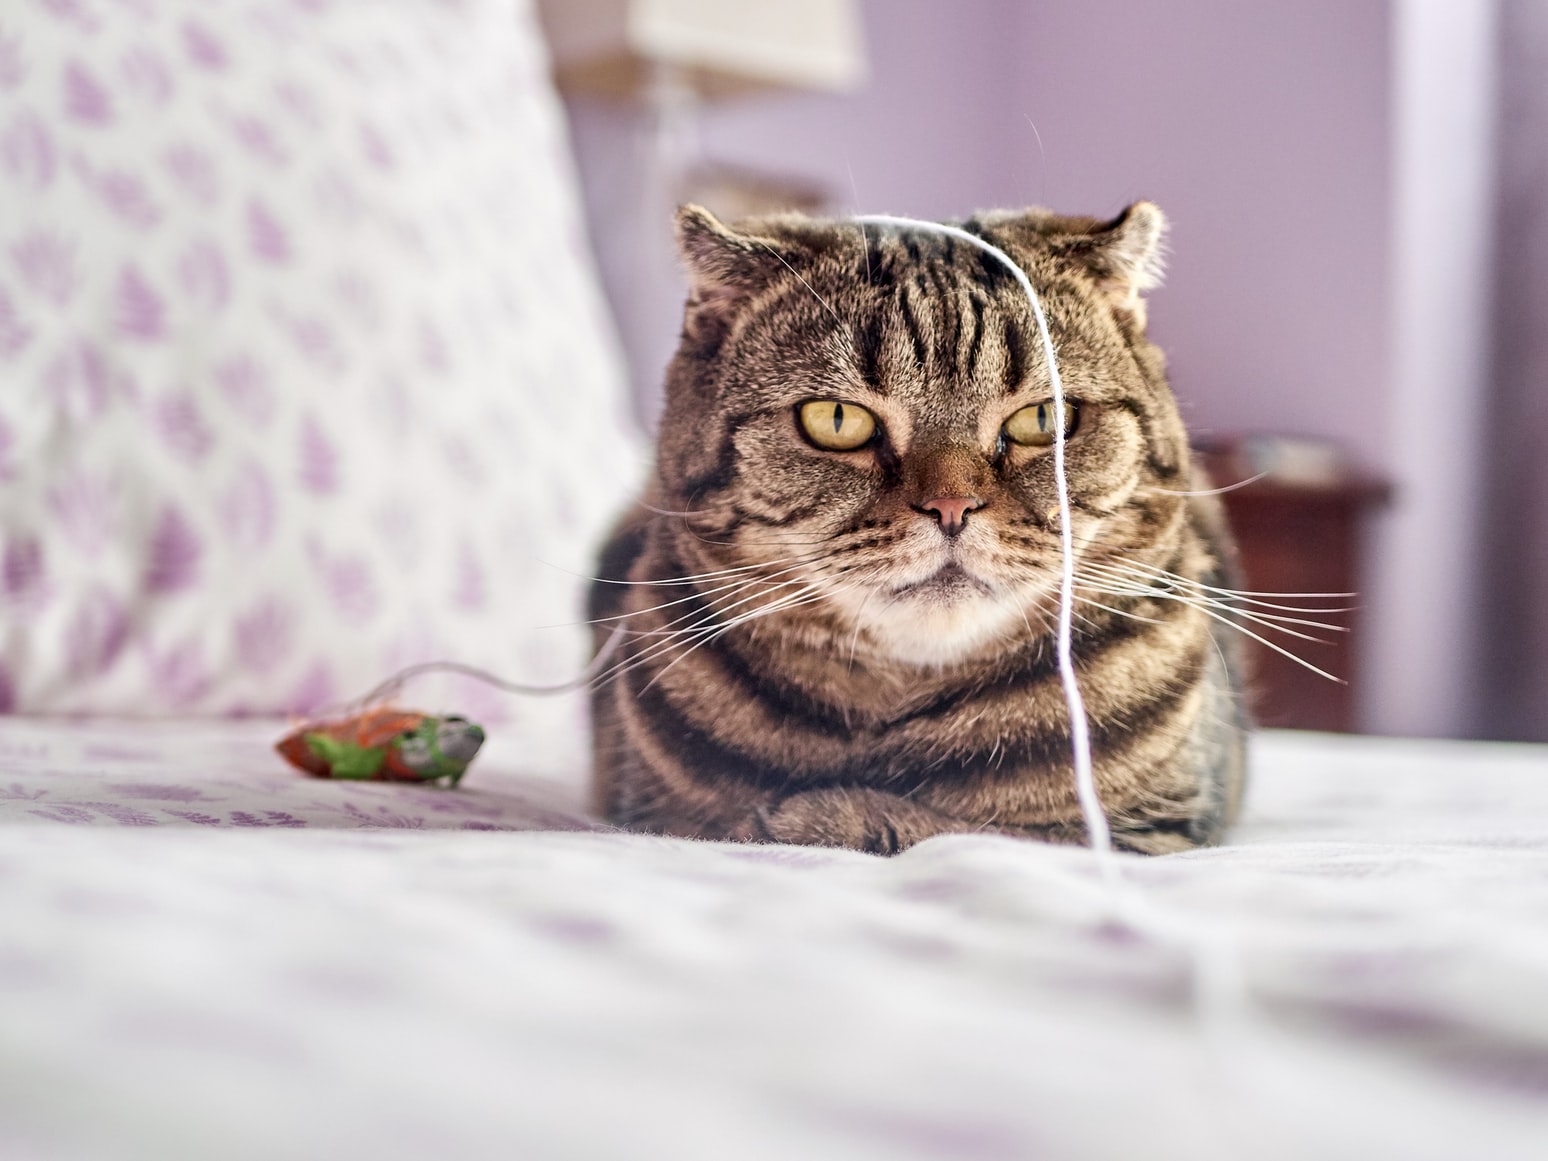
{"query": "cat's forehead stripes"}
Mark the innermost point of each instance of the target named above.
(931, 312)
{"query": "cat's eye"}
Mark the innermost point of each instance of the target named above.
(1034, 426)
(837, 426)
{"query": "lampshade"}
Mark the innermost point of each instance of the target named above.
(718, 47)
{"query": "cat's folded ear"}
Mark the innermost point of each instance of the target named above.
(1127, 255)
(1124, 256)
(723, 265)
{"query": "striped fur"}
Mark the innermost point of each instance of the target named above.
(804, 655)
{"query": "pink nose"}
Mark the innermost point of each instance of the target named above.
(952, 511)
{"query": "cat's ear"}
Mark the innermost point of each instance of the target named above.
(1126, 256)
(723, 266)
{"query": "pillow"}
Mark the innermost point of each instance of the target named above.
(304, 371)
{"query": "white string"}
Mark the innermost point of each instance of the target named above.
(390, 688)
(1219, 989)
(1098, 834)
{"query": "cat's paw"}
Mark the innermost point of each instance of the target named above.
(864, 820)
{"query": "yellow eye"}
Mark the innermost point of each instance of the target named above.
(837, 426)
(1034, 426)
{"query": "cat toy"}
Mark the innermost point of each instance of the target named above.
(385, 745)
(377, 743)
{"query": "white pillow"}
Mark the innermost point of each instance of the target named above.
(304, 373)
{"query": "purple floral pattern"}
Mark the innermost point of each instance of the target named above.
(282, 432)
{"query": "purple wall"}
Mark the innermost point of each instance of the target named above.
(1262, 130)
(936, 132)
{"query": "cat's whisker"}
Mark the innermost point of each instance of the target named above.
(712, 610)
(1203, 599)
(1137, 587)
(1040, 607)
(1278, 624)
(794, 600)
(709, 625)
(644, 659)
(650, 654)
(779, 542)
(1225, 619)
(843, 329)
(1172, 583)
(854, 640)
(689, 512)
(668, 635)
(865, 239)
(1266, 643)
(1118, 612)
(1275, 620)
(676, 580)
(824, 540)
(739, 585)
(814, 594)
(1082, 618)
(791, 601)
(619, 618)
(1208, 491)
(1244, 594)
(735, 586)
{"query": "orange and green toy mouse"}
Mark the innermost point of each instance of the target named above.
(385, 745)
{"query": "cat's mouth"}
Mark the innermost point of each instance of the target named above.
(950, 582)
(938, 618)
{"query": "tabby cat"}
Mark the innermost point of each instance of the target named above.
(831, 619)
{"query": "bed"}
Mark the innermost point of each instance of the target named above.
(208, 955)
(305, 376)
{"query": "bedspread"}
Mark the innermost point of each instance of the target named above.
(204, 955)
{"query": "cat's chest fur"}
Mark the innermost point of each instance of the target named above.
(832, 619)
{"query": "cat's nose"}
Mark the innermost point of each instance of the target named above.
(952, 511)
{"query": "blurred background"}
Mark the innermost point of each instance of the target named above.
(1358, 273)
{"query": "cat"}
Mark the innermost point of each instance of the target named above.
(830, 620)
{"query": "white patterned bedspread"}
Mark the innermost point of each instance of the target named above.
(205, 956)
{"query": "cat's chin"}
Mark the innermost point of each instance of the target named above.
(930, 632)
(950, 585)
(946, 618)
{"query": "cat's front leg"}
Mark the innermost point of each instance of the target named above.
(866, 820)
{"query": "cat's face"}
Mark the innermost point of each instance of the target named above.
(872, 411)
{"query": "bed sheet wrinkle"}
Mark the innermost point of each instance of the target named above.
(223, 774)
(384, 981)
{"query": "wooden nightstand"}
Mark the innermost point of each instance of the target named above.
(1299, 538)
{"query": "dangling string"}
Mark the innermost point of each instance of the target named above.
(1097, 832)
(1220, 992)
(390, 688)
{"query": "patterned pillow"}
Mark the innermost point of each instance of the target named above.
(304, 374)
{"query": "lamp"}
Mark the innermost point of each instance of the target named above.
(716, 48)
(638, 74)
